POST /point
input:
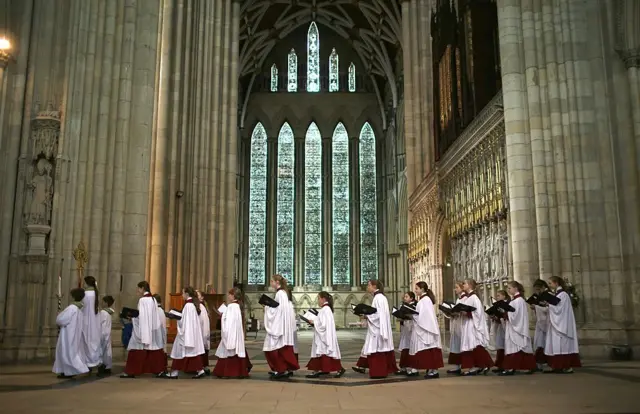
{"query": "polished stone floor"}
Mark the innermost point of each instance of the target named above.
(599, 387)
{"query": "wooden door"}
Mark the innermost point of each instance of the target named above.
(213, 302)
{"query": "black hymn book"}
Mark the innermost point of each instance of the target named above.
(268, 301)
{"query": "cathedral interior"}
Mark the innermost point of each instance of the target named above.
(216, 143)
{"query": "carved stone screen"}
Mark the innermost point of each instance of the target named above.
(285, 203)
(340, 157)
(368, 216)
(257, 206)
(313, 58)
(313, 206)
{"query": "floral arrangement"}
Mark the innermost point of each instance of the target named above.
(573, 294)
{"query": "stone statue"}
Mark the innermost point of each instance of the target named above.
(480, 259)
(41, 187)
(486, 261)
(473, 253)
(454, 257)
(504, 246)
(493, 251)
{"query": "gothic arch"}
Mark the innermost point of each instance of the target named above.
(439, 229)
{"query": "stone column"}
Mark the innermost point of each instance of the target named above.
(299, 213)
(414, 175)
(327, 214)
(272, 196)
(354, 211)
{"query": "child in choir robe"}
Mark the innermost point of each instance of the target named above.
(542, 324)
(378, 344)
(325, 351)
(295, 333)
(518, 354)
(163, 326)
(105, 330)
(426, 348)
(69, 360)
(205, 325)
(561, 347)
(474, 357)
(456, 331)
(91, 330)
(146, 346)
(233, 361)
(406, 327)
(280, 327)
(498, 328)
(187, 350)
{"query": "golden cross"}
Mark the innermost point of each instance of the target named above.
(80, 254)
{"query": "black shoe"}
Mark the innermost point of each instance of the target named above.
(496, 370)
(531, 372)
(279, 376)
(507, 373)
(483, 371)
(400, 372)
(272, 373)
(340, 373)
(432, 376)
(469, 373)
(207, 371)
(62, 376)
(125, 375)
(317, 374)
(289, 374)
(413, 374)
(359, 370)
(553, 371)
(454, 371)
(567, 371)
(200, 375)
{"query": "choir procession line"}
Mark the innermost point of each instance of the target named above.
(84, 342)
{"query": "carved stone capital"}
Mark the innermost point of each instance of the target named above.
(631, 58)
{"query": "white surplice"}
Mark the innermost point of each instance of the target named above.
(562, 335)
(379, 335)
(205, 326)
(91, 331)
(325, 339)
(542, 325)
(280, 324)
(426, 331)
(105, 343)
(147, 333)
(232, 340)
(405, 334)
(69, 359)
(516, 336)
(456, 330)
(475, 331)
(498, 332)
(188, 342)
(163, 326)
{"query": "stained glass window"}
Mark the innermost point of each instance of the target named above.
(257, 206)
(274, 78)
(313, 206)
(313, 58)
(334, 85)
(285, 198)
(368, 219)
(352, 77)
(340, 157)
(292, 70)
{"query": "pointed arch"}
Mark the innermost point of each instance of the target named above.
(313, 58)
(340, 185)
(274, 78)
(368, 205)
(313, 206)
(334, 67)
(292, 71)
(352, 77)
(285, 203)
(257, 206)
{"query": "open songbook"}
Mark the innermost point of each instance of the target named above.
(129, 313)
(174, 314)
(544, 297)
(309, 317)
(499, 308)
(405, 312)
(362, 309)
(449, 308)
(268, 301)
(313, 311)
(222, 308)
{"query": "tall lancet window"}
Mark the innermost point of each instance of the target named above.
(313, 206)
(334, 85)
(257, 206)
(368, 216)
(352, 77)
(292, 71)
(274, 78)
(313, 58)
(340, 158)
(285, 198)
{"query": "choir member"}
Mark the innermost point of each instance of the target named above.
(91, 334)
(280, 326)
(498, 329)
(517, 341)
(146, 346)
(426, 348)
(295, 333)
(325, 351)
(187, 349)
(561, 347)
(542, 324)
(106, 354)
(456, 331)
(205, 325)
(69, 360)
(233, 361)
(378, 344)
(406, 327)
(163, 321)
(475, 335)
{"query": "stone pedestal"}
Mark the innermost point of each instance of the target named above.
(37, 239)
